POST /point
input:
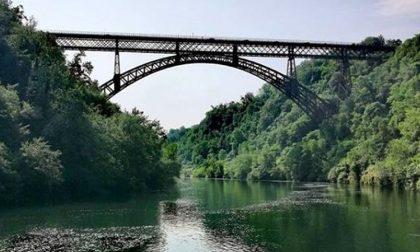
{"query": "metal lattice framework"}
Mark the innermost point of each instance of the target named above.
(214, 46)
(302, 96)
(223, 51)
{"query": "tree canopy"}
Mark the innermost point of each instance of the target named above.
(59, 136)
(373, 138)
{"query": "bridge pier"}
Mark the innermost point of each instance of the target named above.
(291, 82)
(177, 55)
(235, 55)
(117, 68)
(344, 89)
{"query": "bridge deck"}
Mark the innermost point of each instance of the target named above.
(214, 46)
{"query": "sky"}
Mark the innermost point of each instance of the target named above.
(180, 96)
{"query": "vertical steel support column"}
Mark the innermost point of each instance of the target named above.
(345, 87)
(235, 55)
(117, 68)
(177, 56)
(291, 82)
(291, 67)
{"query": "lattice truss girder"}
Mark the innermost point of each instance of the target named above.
(254, 48)
(302, 96)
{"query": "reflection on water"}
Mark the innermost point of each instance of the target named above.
(183, 230)
(216, 215)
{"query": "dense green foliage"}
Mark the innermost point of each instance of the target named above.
(59, 137)
(373, 138)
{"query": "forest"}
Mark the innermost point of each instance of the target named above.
(373, 138)
(60, 139)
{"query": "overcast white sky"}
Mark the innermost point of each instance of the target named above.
(181, 95)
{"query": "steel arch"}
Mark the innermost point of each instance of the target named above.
(307, 100)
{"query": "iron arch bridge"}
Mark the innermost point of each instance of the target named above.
(223, 51)
(302, 96)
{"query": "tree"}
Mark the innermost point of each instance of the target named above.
(81, 70)
(40, 166)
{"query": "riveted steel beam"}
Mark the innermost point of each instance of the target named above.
(214, 46)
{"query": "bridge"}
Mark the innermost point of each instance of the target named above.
(223, 51)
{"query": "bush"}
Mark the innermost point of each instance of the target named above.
(40, 167)
(374, 175)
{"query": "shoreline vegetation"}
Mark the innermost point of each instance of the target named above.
(60, 139)
(373, 139)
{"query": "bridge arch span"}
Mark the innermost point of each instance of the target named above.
(308, 101)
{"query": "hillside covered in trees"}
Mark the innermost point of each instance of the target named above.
(374, 138)
(59, 137)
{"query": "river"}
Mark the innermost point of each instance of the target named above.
(217, 215)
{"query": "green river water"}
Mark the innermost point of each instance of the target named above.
(217, 215)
